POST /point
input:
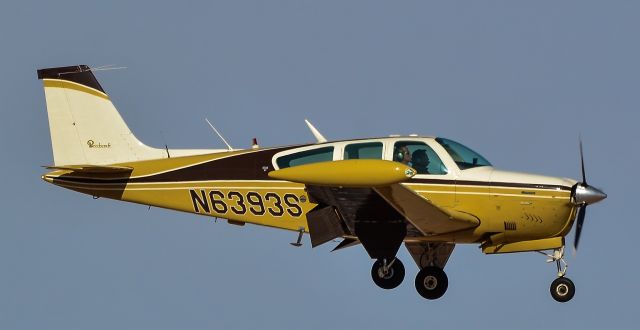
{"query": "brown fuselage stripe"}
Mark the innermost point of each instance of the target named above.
(493, 184)
(256, 166)
(246, 178)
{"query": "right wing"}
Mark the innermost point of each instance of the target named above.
(424, 215)
(365, 199)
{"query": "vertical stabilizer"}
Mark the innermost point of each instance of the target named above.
(85, 126)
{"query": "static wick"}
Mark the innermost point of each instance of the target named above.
(108, 67)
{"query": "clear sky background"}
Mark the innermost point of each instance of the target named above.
(516, 80)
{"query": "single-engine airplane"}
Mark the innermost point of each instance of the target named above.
(429, 193)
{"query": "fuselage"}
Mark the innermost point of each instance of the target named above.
(235, 185)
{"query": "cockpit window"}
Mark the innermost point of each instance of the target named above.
(306, 157)
(463, 156)
(367, 150)
(419, 156)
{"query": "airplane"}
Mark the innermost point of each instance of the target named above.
(429, 193)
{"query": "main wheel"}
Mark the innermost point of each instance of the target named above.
(431, 282)
(390, 278)
(562, 289)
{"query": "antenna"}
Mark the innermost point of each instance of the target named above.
(219, 135)
(166, 147)
(108, 67)
(315, 132)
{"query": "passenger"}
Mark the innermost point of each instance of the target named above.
(420, 161)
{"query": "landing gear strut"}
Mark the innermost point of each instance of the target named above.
(431, 282)
(387, 274)
(562, 288)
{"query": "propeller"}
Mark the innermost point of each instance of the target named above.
(582, 195)
(584, 176)
(579, 223)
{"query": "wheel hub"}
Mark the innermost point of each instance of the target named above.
(562, 290)
(430, 282)
(386, 274)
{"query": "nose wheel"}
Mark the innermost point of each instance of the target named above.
(562, 288)
(387, 274)
(431, 282)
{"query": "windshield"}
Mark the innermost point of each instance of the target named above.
(463, 156)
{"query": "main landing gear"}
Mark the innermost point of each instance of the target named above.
(387, 274)
(562, 288)
(431, 281)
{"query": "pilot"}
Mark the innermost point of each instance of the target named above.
(420, 161)
(402, 155)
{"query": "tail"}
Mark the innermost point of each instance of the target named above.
(85, 126)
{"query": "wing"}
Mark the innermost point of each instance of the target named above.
(428, 218)
(365, 200)
(356, 213)
(340, 209)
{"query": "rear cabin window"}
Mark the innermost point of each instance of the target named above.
(368, 150)
(306, 157)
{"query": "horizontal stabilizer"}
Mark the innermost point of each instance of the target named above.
(91, 168)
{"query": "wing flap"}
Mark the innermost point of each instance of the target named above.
(324, 225)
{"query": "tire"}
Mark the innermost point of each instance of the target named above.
(431, 282)
(562, 289)
(392, 279)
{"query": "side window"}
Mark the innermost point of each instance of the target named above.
(368, 150)
(306, 157)
(419, 156)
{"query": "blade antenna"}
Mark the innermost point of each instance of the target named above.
(219, 135)
(166, 146)
(319, 137)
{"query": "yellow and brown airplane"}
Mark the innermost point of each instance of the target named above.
(429, 193)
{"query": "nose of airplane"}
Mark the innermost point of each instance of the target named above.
(585, 194)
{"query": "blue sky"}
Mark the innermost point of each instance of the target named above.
(516, 80)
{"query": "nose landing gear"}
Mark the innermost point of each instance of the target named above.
(562, 288)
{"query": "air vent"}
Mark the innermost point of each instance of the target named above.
(509, 225)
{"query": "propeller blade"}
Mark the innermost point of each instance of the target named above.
(581, 215)
(584, 176)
